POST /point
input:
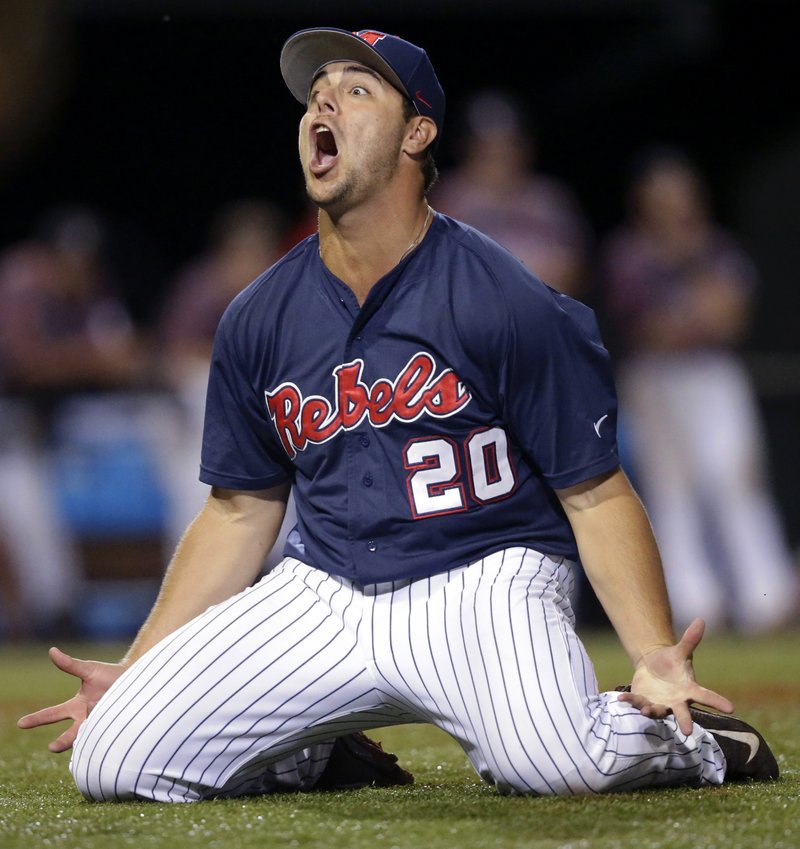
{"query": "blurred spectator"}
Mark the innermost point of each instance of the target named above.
(495, 187)
(42, 581)
(63, 332)
(14, 621)
(246, 237)
(679, 292)
(65, 329)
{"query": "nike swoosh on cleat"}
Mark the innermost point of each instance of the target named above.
(746, 737)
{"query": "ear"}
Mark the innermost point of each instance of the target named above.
(421, 133)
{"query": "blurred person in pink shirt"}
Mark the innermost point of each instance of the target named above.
(496, 188)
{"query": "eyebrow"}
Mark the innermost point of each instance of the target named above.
(350, 69)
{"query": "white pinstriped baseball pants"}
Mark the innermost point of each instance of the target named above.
(248, 697)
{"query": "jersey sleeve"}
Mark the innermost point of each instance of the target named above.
(557, 387)
(239, 450)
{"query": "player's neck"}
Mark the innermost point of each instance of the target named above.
(364, 244)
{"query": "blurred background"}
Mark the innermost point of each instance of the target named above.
(148, 171)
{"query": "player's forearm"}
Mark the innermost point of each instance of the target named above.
(220, 555)
(621, 560)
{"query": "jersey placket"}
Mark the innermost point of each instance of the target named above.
(363, 474)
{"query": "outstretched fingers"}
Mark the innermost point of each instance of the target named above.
(691, 638)
(664, 683)
(46, 716)
(95, 679)
(711, 699)
(64, 741)
(74, 709)
(70, 665)
(65, 710)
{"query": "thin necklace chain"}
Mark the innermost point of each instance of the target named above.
(411, 247)
(416, 241)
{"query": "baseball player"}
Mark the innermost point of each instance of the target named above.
(447, 423)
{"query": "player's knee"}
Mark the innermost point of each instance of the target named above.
(96, 784)
(553, 786)
(99, 776)
(575, 775)
(525, 780)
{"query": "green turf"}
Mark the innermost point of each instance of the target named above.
(447, 807)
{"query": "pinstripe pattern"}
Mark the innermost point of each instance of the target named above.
(247, 697)
(248, 683)
(489, 654)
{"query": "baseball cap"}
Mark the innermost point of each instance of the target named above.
(406, 66)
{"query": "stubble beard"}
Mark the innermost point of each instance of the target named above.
(334, 200)
(357, 187)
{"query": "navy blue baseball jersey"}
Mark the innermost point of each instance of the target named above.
(425, 428)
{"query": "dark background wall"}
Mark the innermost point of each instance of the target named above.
(157, 112)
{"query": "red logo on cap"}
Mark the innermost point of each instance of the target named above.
(370, 36)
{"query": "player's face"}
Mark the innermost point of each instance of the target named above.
(351, 136)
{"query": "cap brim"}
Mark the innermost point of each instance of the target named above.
(308, 50)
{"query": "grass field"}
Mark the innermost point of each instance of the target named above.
(446, 807)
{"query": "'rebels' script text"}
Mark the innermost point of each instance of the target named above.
(416, 391)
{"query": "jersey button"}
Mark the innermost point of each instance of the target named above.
(367, 480)
(372, 545)
(364, 440)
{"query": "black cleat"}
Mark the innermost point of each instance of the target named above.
(748, 756)
(356, 761)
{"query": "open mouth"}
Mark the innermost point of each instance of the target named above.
(325, 149)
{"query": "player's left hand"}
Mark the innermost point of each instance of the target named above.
(664, 683)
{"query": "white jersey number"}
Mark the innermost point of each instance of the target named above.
(436, 484)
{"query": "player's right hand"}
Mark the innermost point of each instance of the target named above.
(96, 678)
